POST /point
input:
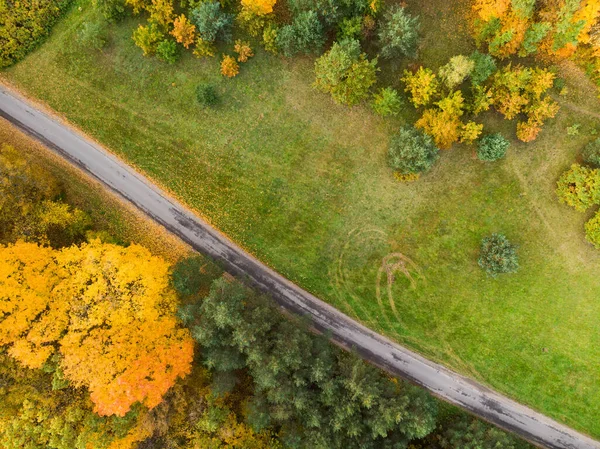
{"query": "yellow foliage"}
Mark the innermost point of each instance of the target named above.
(138, 5)
(259, 6)
(184, 31)
(422, 86)
(229, 66)
(110, 312)
(470, 132)
(488, 9)
(442, 126)
(204, 49)
(243, 50)
(161, 12)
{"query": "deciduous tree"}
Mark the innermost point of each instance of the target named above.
(184, 31)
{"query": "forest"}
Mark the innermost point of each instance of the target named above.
(430, 168)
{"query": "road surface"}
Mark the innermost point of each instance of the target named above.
(375, 348)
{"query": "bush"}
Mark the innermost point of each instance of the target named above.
(498, 255)
(304, 35)
(229, 66)
(207, 95)
(411, 151)
(579, 187)
(166, 50)
(386, 102)
(187, 275)
(592, 230)
(492, 147)
(243, 50)
(484, 67)
(345, 73)
(591, 153)
(350, 28)
(24, 24)
(147, 38)
(398, 34)
(212, 22)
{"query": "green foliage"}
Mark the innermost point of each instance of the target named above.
(24, 24)
(212, 22)
(147, 38)
(468, 433)
(533, 36)
(350, 28)
(386, 102)
(573, 130)
(498, 255)
(93, 35)
(270, 38)
(187, 277)
(485, 66)
(167, 51)
(411, 151)
(301, 384)
(492, 147)
(332, 12)
(591, 153)
(345, 73)
(111, 10)
(304, 35)
(579, 187)
(456, 70)
(398, 34)
(592, 230)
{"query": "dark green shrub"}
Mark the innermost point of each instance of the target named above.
(304, 35)
(212, 23)
(498, 255)
(579, 187)
(345, 73)
(166, 51)
(591, 153)
(187, 275)
(411, 151)
(492, 147)
(485, 66)
(398, 34)
(207, 95)
(592, 230)
(386, 102)
(469, 433)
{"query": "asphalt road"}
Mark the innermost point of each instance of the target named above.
(346, 332)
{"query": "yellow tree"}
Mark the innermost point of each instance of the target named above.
(107, 310)
(184, 31)
(422, 86)
(260, 7)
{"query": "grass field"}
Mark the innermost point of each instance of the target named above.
(302, 183)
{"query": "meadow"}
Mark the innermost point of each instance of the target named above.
(303, 184)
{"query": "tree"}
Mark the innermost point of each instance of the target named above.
(345, 73)
(498, 255)
(411, 152)
(468, 433)
(398, 34)
(591, 153)
(106, 310)
(592, 230)
(261, 7)
(492, 147)
(243, 50)
(300, 383)
(456, 71)
(443, 123)
(386, 102)
(166, 50)
(229, 66)
(484, 66)
(304, 35)
(147, 38)
(161, 13)
(212, 22)
(470, 132)
(422, 86)
(184, 31)
(579, 187)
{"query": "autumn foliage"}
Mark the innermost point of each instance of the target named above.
(261, 7)
(105, 309)
(229, 66)
(184, 31)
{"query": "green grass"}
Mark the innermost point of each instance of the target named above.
(302, 183)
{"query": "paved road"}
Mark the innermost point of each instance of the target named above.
(375, 348)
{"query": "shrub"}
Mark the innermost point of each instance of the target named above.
(204, 49)
(456, 70)
(166, 50)
(187, 274)
(270, 38)
(470, 132)
(350, 28)
(422, 86)
(111, 10)
(243, 50)
(212, 22)
(579, 187)
(184, 31)
(398, 34)
(592, 230)
(498, 255)
(253, 21)
(443, 123)
(207, 95)
(386, 102)
(492, 147)
(229, 66)
(411, 151)
(304, 35)
(345, 73)
(147, 38)
(484, 66)
(591, 153)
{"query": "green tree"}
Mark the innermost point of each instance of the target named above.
(398, 34)
(213, 24)
(386, 102)
(304, 35)
(465, 432)
(579, 187)
(166, 50)
(411, 151)
(492, 147)
(484, 67)
(498, 255)
(591, 153)
(345, 73)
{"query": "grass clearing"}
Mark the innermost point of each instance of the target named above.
(302, 183)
